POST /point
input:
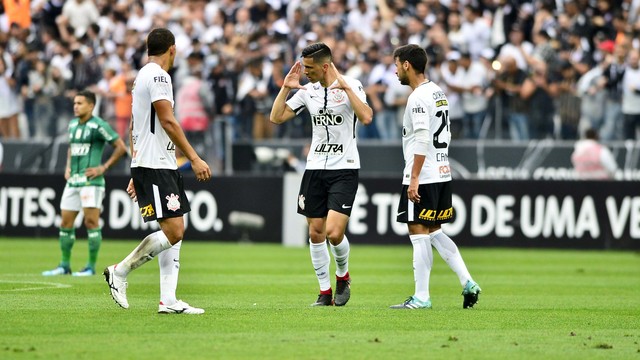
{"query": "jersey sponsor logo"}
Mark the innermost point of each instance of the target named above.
(433, 215)
(441, 103)
(173, 202)
(325, 118)
(427, 214)
(160, 79)
(329, 149)
(441, 157)
(445, 214)
(104, 133)
(444, 170)
(147, 211)
(80, 149)
(171, 146)
(439, 95)
(77, 179)
(418, 110)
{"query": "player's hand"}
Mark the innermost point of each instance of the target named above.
(94, 172)
(67, 173)
(132, 191)
(292, 80)
(341, 83)
(412, 192)
(201, 169)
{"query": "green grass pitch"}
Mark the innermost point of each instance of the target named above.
(536, 304)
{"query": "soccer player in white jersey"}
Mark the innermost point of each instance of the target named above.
(425, 201)
(330, 180)
(155, 183)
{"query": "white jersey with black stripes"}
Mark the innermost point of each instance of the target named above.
(428, 109)
(152, 147)
(333, 141)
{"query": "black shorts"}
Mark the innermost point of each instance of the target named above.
(324, 190)
(160, 193)
(434, 208)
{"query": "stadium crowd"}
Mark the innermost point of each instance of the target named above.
(526, 69)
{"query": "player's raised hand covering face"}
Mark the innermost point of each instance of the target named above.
(341, 83)
(292, 80)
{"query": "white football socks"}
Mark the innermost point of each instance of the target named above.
(320, 260)
(422, 262)
(341, 256)
(169, 261)
(450, 254)
(148, 248)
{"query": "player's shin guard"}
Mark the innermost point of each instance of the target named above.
(450, 254)
(422, 262)
(169, 261)
(148, 248)
(67, 238)
(341, 256)
(95, 240)
(320, 260)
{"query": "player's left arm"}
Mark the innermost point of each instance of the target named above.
(110, 136)
(362, 110)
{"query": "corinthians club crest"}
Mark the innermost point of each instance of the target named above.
(338, 95)
(173, 202)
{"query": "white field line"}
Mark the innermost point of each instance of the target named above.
(43, 285)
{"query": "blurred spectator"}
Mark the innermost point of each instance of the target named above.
(457, 37)
(508, 85)
(504, 16)
(631, 95)
(223, 85)
(39, 91)
(9, 104)
(537, 89)
(517, 47)
(25, 63)
(194, 105)
(593, 99)
(472, 83)
(381, 77)
(79, 14)
(120, 93)
(592, 160)
(360, 20)
(476, 31)
(85, 72)
(18, 12)
(451, 80)
(611, 81)
(254, 101)
(567, 101)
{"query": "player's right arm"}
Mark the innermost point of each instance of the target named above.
(171, 126)
(280, 111)
(67, 168)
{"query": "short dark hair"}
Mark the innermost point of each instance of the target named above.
(591, 134)
(159, 41)
(319, 52)
(90, 96)
(414, 54)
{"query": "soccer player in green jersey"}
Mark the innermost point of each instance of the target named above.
(85, 180)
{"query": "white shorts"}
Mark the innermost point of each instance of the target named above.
(77, 198)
